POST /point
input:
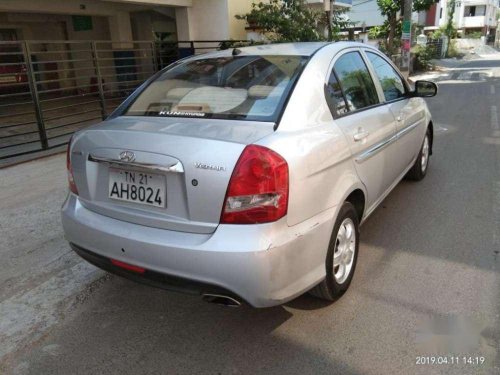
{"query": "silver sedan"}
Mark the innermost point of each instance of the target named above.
(243, 175)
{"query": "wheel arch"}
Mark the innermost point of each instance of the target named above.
(357, 198)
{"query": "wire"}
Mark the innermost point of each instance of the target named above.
(364, 2)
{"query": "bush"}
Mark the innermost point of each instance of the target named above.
(474, 35)
(424, 55)
(438, 33)
(453, 50)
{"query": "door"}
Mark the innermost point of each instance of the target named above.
(409, 113)
(368, 126)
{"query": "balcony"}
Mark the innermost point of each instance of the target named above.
(476, 21)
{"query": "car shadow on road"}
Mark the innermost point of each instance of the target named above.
(130, 328)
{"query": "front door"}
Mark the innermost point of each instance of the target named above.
(409, 113)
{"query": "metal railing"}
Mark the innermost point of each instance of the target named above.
(50, 89)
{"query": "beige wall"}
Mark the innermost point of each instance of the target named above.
(237, 27)
(205, 20)
(183, 3)
(200, 20)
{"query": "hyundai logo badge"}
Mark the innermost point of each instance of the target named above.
(127, 156)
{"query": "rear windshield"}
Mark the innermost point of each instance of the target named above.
(236, 87)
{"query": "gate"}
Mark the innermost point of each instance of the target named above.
(50, 89)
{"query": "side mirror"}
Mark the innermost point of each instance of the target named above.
(425, 89)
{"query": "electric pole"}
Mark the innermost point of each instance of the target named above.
(406, 36)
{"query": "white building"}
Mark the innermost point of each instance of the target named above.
(470, 15)
(365, 14)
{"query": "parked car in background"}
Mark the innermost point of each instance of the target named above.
(244, 175)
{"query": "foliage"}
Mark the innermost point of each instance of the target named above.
(421, 5)
(424, 55)
(284, 21)
(391, 30)
(294, 21)
(377, 32)
(438, 33)
(453, 50)
(226, 44)
(336, 22)
(449, 28)
(474, 35)
(162, 36)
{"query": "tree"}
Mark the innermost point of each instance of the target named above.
(389, 9)
(337, 21)
(294, 21)
(449, 29)
(391, 30)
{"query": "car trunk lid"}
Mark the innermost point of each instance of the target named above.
(192, 159)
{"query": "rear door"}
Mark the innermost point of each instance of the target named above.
(409, 113)
(368, 124)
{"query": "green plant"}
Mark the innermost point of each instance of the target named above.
(391, 30)
(226, 44)
(438, 33)
(474, 35)
(424, 55)
(295, 21)
(449, 29)
(453, 50)
(336, 21)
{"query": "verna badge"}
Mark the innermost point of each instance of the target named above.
(209, 167)
(127, 156)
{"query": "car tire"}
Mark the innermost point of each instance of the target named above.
(419, 169)
(337, 282)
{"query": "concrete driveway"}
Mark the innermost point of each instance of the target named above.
(427, 284)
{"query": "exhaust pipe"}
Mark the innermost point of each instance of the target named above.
(221, 300)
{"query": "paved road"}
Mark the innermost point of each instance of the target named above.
(427, 282)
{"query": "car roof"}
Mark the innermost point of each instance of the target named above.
(290, 49)
(286, 49)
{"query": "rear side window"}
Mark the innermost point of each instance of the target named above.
(355, 81)
(391, 82)
(232, 87)
(335, 97)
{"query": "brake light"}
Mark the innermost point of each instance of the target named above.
(71, 179)
(258, 189)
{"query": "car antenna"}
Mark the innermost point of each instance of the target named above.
(236, 51)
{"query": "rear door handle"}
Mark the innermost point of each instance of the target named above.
(360, 135)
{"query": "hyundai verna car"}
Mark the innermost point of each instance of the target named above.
(243, 175)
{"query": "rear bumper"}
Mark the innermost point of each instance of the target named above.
(264, 265)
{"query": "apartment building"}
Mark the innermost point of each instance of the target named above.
(470, 16)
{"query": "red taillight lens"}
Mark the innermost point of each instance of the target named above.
(258, 189)
(128, 267)
(71, 180)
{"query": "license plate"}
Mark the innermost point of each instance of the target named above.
(137, 187)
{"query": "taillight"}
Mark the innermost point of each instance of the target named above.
(258, 189)
(71, 179)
